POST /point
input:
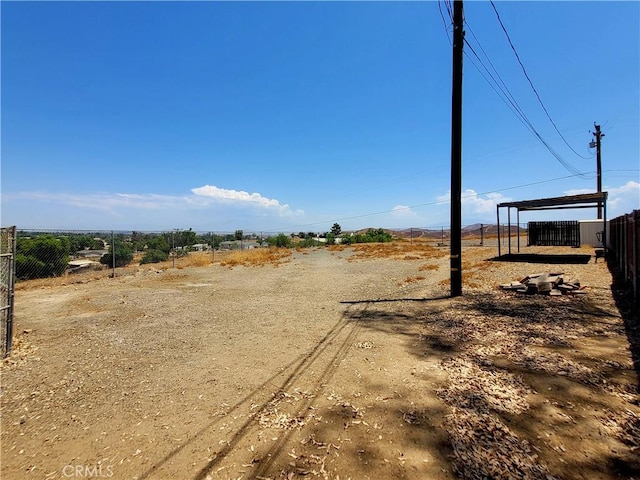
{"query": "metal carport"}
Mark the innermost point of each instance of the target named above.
(585, 200)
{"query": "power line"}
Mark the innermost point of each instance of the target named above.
(509, 100)
(429, 204)
(531, 83)
(444, 22)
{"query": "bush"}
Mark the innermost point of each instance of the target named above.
(154, 256)
(123, 255)
(281, 240)
(158, 243)
(371, 236)
(41, 257)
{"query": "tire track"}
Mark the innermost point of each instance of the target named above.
(301, 372)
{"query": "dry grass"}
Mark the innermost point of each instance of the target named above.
(256, 257)
(396, 250)
(195, 259)
(428, 266)
(415, 279)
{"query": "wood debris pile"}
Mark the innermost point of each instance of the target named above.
(545, 284)
(625, 426)
(484, 447)
(483, 389)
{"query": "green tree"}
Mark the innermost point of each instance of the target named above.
(239, 234)
(158, 242)
(372, 235)
(123, 254)
(280, 240)
(336, 230)
(154, 256)
(41, 257)
(186, 238)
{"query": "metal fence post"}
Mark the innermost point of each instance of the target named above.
(8, 256)
(113, 252)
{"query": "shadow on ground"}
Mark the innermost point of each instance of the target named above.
(630, 312)
(494, 346)
(543, 258)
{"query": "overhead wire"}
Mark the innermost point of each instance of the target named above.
(502, 90)
(507, 97)
(535, 91)
(428, 204)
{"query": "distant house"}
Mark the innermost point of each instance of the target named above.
(239, 245)
(200, 247)
(91, 253)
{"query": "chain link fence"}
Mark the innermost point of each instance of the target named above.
(7, 284)
(54, 253)
(49, 253)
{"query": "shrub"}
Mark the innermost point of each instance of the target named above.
(41, 257)
(123, 255)
(154, 256)
(281, 240)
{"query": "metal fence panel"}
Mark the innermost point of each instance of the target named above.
(556, 233)
(7, 287)
(625, 245)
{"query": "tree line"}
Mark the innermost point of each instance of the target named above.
(47, 255)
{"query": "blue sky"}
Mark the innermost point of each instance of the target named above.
(291, 116)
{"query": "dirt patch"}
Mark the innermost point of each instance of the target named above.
(347, 362)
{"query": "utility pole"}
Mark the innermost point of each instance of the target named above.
(456, 151)
(598, 135)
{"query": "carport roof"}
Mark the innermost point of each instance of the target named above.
(557, 202)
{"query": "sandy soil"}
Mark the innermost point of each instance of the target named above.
(332, 364)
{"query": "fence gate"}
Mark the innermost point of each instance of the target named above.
(557, 233)
(7, 287)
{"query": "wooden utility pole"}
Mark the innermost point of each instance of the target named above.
(456, 151)
(598, 134)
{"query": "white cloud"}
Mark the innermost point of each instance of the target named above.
(239, 197)
(621, 200)
(403, 211)
(474, 204)
(224, 194)
(578, 191)
(203, 206)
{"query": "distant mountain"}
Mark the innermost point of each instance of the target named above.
(420, 233)
(467, 231)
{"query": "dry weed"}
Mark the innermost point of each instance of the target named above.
(256, 257)
(412, 279)
(195, 259)
(428, 266)
(396, 250)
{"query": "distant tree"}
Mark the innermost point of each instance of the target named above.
(372, 235)
(280, 240)
(154, 256)
(123, 254)
(331, 238)
(41, 257)
(336, 230)
(158, 242)
(186, 238)
(239, 234)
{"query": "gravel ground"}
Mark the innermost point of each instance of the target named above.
(343, 363)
